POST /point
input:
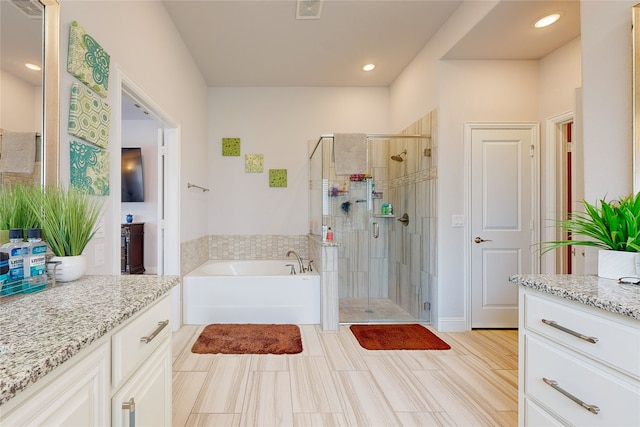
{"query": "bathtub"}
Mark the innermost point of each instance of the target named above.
(251, 292)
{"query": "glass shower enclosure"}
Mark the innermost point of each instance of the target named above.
(382, 222)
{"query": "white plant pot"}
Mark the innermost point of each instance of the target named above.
(617, 264)
(70, 267)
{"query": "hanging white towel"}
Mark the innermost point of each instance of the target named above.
(18, 152)
(350, 153)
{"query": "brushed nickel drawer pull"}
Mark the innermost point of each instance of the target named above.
(161, 326)
(554, 324)
(131, 407)
(554, 384)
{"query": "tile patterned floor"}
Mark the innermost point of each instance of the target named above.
(335, 382)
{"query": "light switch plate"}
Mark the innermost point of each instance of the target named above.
(457, 221)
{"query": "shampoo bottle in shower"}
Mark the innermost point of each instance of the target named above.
(329, 235)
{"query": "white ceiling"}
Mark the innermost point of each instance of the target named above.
(261, 43)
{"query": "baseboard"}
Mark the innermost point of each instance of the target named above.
(451, 324)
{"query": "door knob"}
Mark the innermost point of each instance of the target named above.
(480, 240)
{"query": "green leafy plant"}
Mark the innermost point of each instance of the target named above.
(15, 211)
(613, 225)
(69, 217)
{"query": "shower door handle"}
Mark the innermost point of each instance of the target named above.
(376, 230)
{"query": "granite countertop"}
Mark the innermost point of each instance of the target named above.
(40, 331)
(606, 294)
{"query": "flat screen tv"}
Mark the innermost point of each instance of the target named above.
(132, 178)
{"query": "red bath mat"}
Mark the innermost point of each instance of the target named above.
(248, 339)
(397, 337)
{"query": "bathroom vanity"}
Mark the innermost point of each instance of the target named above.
(579, 351)
(95, 351)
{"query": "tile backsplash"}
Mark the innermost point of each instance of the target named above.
(233, 247)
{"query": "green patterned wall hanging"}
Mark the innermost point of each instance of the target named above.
(277, 177)
(254, 163)
(230, 146)
(89, 168)
(87, 60)
(89, 116)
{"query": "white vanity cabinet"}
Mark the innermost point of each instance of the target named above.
(73, 396)
(141, 369)
(578, 365)
(129, 364)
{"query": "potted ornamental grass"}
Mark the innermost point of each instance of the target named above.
(613, 227)
(15, 211)
(68, 221)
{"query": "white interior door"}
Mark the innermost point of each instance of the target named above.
(502, 221)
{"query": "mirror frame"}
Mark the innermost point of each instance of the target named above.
(51, 93)
(635, 42)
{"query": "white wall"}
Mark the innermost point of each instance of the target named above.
(464, 91)
(21, 109)
(144, 134)
(560, 76)
(607, 94)
(144, 44)
(416, 91)
(278, 122)
(496, 91)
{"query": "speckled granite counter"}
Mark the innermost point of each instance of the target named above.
(38, 332)
(605, 294)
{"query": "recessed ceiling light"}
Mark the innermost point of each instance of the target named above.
(33, 67)
(368, 67)
(547, 20)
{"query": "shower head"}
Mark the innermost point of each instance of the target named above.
(398, 157)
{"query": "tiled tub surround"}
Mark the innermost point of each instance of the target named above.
(237, 247)
(43, 330)
(594, 291)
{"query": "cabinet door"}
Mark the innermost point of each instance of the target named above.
(78, 397)
(149, 388)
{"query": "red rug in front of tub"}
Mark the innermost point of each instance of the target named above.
(231, 338)
(397, 337)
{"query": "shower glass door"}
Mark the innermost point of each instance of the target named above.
(384, 265)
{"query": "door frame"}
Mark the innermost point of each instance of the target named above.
(554, 169)
(534, 127)
(171, 197)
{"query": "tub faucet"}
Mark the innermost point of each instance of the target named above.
(299, 260)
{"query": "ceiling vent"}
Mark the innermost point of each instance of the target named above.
(32, 8)
(309, 9)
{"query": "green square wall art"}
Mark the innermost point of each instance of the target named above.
(89, 168)
(254, 163)
(277, 177)
(230, 146)
(87, 60)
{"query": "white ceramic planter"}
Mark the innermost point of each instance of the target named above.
(70, 267)
(617, 264)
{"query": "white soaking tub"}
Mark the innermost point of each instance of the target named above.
(261, 291)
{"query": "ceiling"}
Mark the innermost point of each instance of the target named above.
(261, 43)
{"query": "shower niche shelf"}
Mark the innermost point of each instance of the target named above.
(383, 216)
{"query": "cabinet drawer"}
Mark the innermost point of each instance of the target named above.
(617, 344)
(128, 350)
(535, 416)
(616, 399)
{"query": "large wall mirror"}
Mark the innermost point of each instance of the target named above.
(29, 100)
(636, 97)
